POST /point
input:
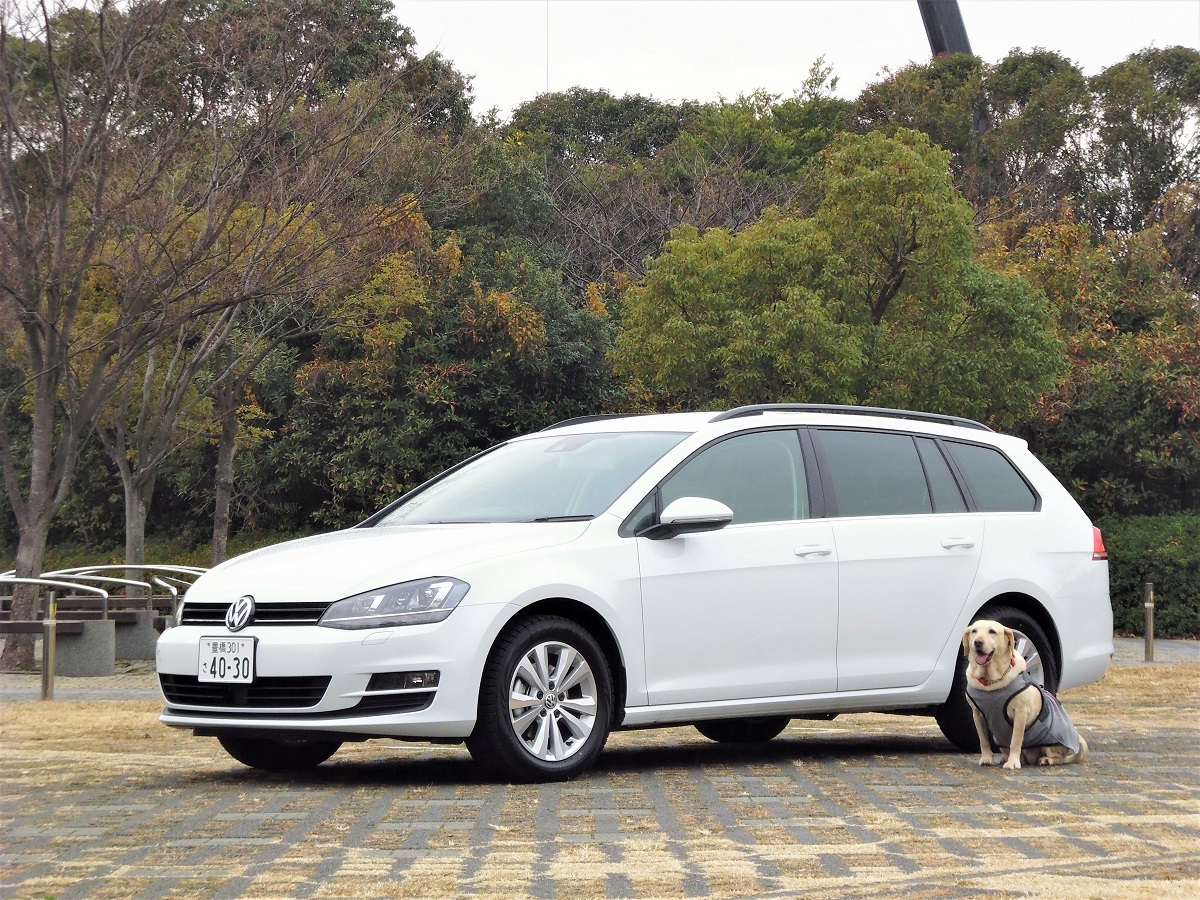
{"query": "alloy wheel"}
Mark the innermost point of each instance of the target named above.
(553, 701)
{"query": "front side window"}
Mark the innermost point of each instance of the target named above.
(542, 479)
(874, 473)
(760, 476)
(996, 485)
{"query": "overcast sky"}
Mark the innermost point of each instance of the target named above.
(705, 49)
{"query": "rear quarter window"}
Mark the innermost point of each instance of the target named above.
(993, 480)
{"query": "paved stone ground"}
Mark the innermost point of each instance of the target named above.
(98, 800)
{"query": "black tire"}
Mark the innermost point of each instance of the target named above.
(279, 755)
(954, 716)
(557, 734)
(756, 730)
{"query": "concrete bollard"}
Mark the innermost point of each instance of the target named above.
(48, 648)
(137, 640)
(92, 652)
(1149, 604)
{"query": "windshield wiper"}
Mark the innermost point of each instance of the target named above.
(562, 519)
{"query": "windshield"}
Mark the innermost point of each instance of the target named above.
(543, 479)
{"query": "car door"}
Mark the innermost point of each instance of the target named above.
(750, 610)
(908, 551)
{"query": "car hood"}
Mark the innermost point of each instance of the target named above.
(328, 567)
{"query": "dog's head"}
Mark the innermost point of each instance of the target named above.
(985, 639)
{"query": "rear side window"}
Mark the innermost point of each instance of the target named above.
(874, 473)
(994, 482)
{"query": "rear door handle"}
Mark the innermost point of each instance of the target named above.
(813, 550)
(951, 543)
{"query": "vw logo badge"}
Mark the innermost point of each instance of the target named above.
(240, 614)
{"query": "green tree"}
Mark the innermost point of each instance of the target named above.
(1035, 109)
(620, 173)
(1147, 136)
(477, 363)
(872, 299)
(1039, 110)
(1122, 426)
(1114, 144)
(1176, 219)
(943, 99)
(583, 125)
(581, 158)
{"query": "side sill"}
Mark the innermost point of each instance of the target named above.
(914, 701)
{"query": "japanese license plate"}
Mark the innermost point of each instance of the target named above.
(227, 659)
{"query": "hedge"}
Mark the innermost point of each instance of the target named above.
(1164, 550)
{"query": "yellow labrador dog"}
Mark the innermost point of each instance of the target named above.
(1010, 706)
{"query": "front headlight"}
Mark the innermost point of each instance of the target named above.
(411, 603)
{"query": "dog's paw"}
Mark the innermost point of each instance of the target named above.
(1014, 762)
(988, 759)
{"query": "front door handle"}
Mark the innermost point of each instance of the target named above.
(813, 550)
(951, 543)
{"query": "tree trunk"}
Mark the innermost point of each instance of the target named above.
(34, 513)
(226, 450)
(138, 494)
(31, 551)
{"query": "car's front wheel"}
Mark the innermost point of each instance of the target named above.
(545, 702)
(954, 716)
(279, 755)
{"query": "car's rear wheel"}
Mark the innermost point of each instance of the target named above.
(954, 716)
(755, 730)
(279, 755)
(545, 702)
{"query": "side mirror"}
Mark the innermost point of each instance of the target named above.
(689, 515)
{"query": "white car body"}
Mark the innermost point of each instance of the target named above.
(810, 616)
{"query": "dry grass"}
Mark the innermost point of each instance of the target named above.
(108, 726)
(1144, 686)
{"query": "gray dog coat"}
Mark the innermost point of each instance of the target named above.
(1052, 725)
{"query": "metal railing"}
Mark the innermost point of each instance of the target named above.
(159, 582)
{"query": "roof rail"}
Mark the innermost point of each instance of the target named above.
(760, 408)
(579, 420)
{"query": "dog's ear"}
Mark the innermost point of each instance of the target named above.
(967, 641)
(1011, 639)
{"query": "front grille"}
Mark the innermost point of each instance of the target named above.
(264, 613)
(263, 692)
(393, 703)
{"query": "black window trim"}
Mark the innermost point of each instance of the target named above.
(944, 454)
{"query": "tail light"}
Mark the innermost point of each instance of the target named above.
(1098, 549)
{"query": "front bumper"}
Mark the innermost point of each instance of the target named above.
(309, 678)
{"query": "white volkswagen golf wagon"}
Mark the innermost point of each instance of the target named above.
(731, 570)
